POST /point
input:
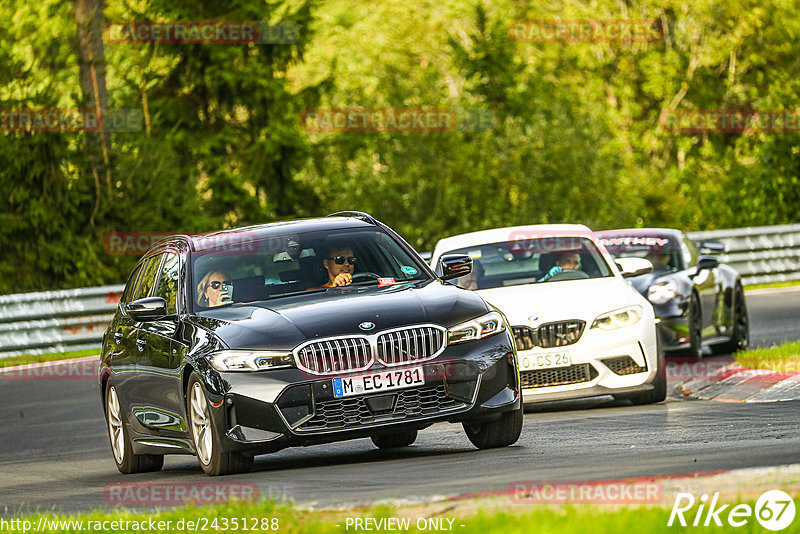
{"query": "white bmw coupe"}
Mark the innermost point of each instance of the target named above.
(581, 329)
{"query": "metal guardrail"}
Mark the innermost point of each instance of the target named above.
(56, 321)
(762, 254)
(75, 319)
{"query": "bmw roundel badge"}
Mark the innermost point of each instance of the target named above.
(366, 325)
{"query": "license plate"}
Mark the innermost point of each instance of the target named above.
(378, 382)
(546, 360)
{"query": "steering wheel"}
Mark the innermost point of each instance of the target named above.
(364, 276)
(569, 274)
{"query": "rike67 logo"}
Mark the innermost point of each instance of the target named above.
(774, 510)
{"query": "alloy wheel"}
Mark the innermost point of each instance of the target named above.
(695, 328)
(115, 430)
(741, 328)
(201, 422)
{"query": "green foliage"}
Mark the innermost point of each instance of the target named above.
(565, 131)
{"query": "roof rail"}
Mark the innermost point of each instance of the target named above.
(357, 214)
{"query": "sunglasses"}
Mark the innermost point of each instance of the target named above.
(216, 284)
(339, 260)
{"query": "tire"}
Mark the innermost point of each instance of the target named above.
(740, 338)
(695, 349)
(121, 446)
(403, 438)
(498, 433)
(205, 439)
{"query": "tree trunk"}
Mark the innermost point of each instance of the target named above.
(89, 21)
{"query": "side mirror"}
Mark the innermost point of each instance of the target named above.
(455, 265)
(630, 267)
(147, 309)
(711, 246)
(707, 262)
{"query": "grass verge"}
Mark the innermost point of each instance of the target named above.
(272, 517)
(50, 357)
(784, 358)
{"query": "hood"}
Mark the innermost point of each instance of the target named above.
(535, 304)
(284, 323)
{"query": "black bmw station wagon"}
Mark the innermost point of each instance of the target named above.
(247, 341)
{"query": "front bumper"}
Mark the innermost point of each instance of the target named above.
(601, 363)
(674, 333)
(673, 324)
(267, 411)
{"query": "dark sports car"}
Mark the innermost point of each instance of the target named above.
(243, 342)
(698, 301)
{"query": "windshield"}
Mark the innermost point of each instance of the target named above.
(663, 251)
(532, 261)
(255, 270)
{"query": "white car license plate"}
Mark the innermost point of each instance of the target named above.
(378, 382)
(546, 360)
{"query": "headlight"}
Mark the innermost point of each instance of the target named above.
(250, 360)
(662, 292)
(618, 318)
(484, 326)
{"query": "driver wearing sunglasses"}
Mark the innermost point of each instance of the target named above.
(340, 264)
(214, 289)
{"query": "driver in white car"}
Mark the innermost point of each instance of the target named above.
(562, 263)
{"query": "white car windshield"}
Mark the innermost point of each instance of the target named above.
(533, 261)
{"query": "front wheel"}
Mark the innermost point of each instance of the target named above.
(501, 432)
(395, 440)
(207, 444)
(695, 349)
(740, 337)
(121, 447)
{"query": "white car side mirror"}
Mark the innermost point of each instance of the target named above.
(633, 266)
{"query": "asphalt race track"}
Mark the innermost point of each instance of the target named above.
(55, 454)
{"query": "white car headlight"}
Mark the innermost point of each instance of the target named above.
(618, 318)
(662, 292)
(484, 326)
(250, 360)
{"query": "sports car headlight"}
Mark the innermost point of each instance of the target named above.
(618, 318)
(250, 360)
(484, 326)
(662, 292)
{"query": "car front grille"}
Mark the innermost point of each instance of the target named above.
(354, 412)
(410, 345)
(560, 376)
(624, 365)
(394, 347)
(550, 335)
(336, 355)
